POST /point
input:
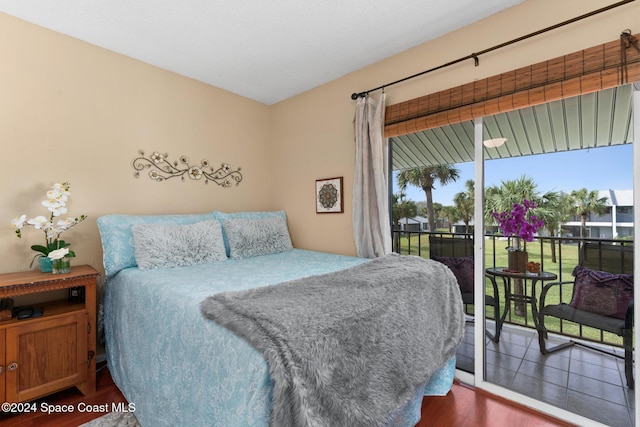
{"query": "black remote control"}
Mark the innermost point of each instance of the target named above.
(25, 313)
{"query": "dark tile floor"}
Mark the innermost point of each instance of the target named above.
(577, 379)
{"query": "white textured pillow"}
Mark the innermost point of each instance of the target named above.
(255, 237)
(166, 246)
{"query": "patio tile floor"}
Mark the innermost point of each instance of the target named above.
(577, 379)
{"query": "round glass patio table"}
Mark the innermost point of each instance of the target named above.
(507, 276)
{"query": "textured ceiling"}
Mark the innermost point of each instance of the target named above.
(264, 50)
(593, 120)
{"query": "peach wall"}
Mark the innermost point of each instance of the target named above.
(313, 132)
(72, 111)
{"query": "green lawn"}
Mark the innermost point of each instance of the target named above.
(569, 261)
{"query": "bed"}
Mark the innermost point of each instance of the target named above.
(178, 367)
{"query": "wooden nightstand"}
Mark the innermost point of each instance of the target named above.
(43, 355)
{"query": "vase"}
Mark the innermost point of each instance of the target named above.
(61, 266)
(518, 260)
(45, 264)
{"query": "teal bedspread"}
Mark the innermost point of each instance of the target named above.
(180, 369)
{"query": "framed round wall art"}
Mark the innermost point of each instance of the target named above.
(329, 195)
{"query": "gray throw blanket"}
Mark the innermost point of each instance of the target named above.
(348, 348)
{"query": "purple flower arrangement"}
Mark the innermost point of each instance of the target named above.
(520, 222)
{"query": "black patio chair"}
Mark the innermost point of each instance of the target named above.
(602, 298)
(457, 254)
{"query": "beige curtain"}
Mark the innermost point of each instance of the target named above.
(371, 226)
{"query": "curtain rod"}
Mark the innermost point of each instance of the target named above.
(475, 55)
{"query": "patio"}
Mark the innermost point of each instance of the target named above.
(577, 379)
(580, 380)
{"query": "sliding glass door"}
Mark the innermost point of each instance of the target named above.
(570, 163)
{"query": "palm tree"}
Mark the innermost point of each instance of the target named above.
(425, 177)
(585, 202)
(395, 212)
(437, 209)
(395, 219)
(464, 202)
(498, 199)
(502, 198)
(401, 208)
(451, 215)
(555, 209)
(422, 208)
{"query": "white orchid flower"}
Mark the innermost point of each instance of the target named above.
(38, 222)
(18, 223)
(59, 253)
(62, 188)
(55, 202)
(64, 224)
(59, 211)
(57, 196)
(56, 207)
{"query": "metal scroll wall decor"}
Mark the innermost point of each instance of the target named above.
(161, 169)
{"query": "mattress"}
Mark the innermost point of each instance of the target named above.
(179, 368)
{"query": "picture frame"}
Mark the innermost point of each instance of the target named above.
(329, 196)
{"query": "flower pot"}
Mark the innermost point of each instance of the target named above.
(61, 266)
(518, 261)
(45, 264)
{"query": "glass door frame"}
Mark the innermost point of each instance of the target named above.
(480, 381)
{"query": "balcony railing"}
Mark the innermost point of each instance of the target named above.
(558, 255)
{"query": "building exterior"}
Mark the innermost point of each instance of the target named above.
(417, 223)
(616, 223)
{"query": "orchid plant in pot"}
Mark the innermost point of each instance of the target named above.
(521, 224)
(54, 255)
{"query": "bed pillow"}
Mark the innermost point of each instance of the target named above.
(224, 216)
(255, 237)
(166, 246)
(117, 239)
(462, 268)
(601, 292)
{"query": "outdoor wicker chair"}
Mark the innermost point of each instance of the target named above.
(602, 298)
(457, 254)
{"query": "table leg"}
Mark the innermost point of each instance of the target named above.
(534, 304)
(500, 320)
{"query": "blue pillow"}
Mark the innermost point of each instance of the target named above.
(223, 216)
(117, 239)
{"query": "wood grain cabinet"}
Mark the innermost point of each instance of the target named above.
(43, 355)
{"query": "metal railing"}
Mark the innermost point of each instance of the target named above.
(558, 255)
